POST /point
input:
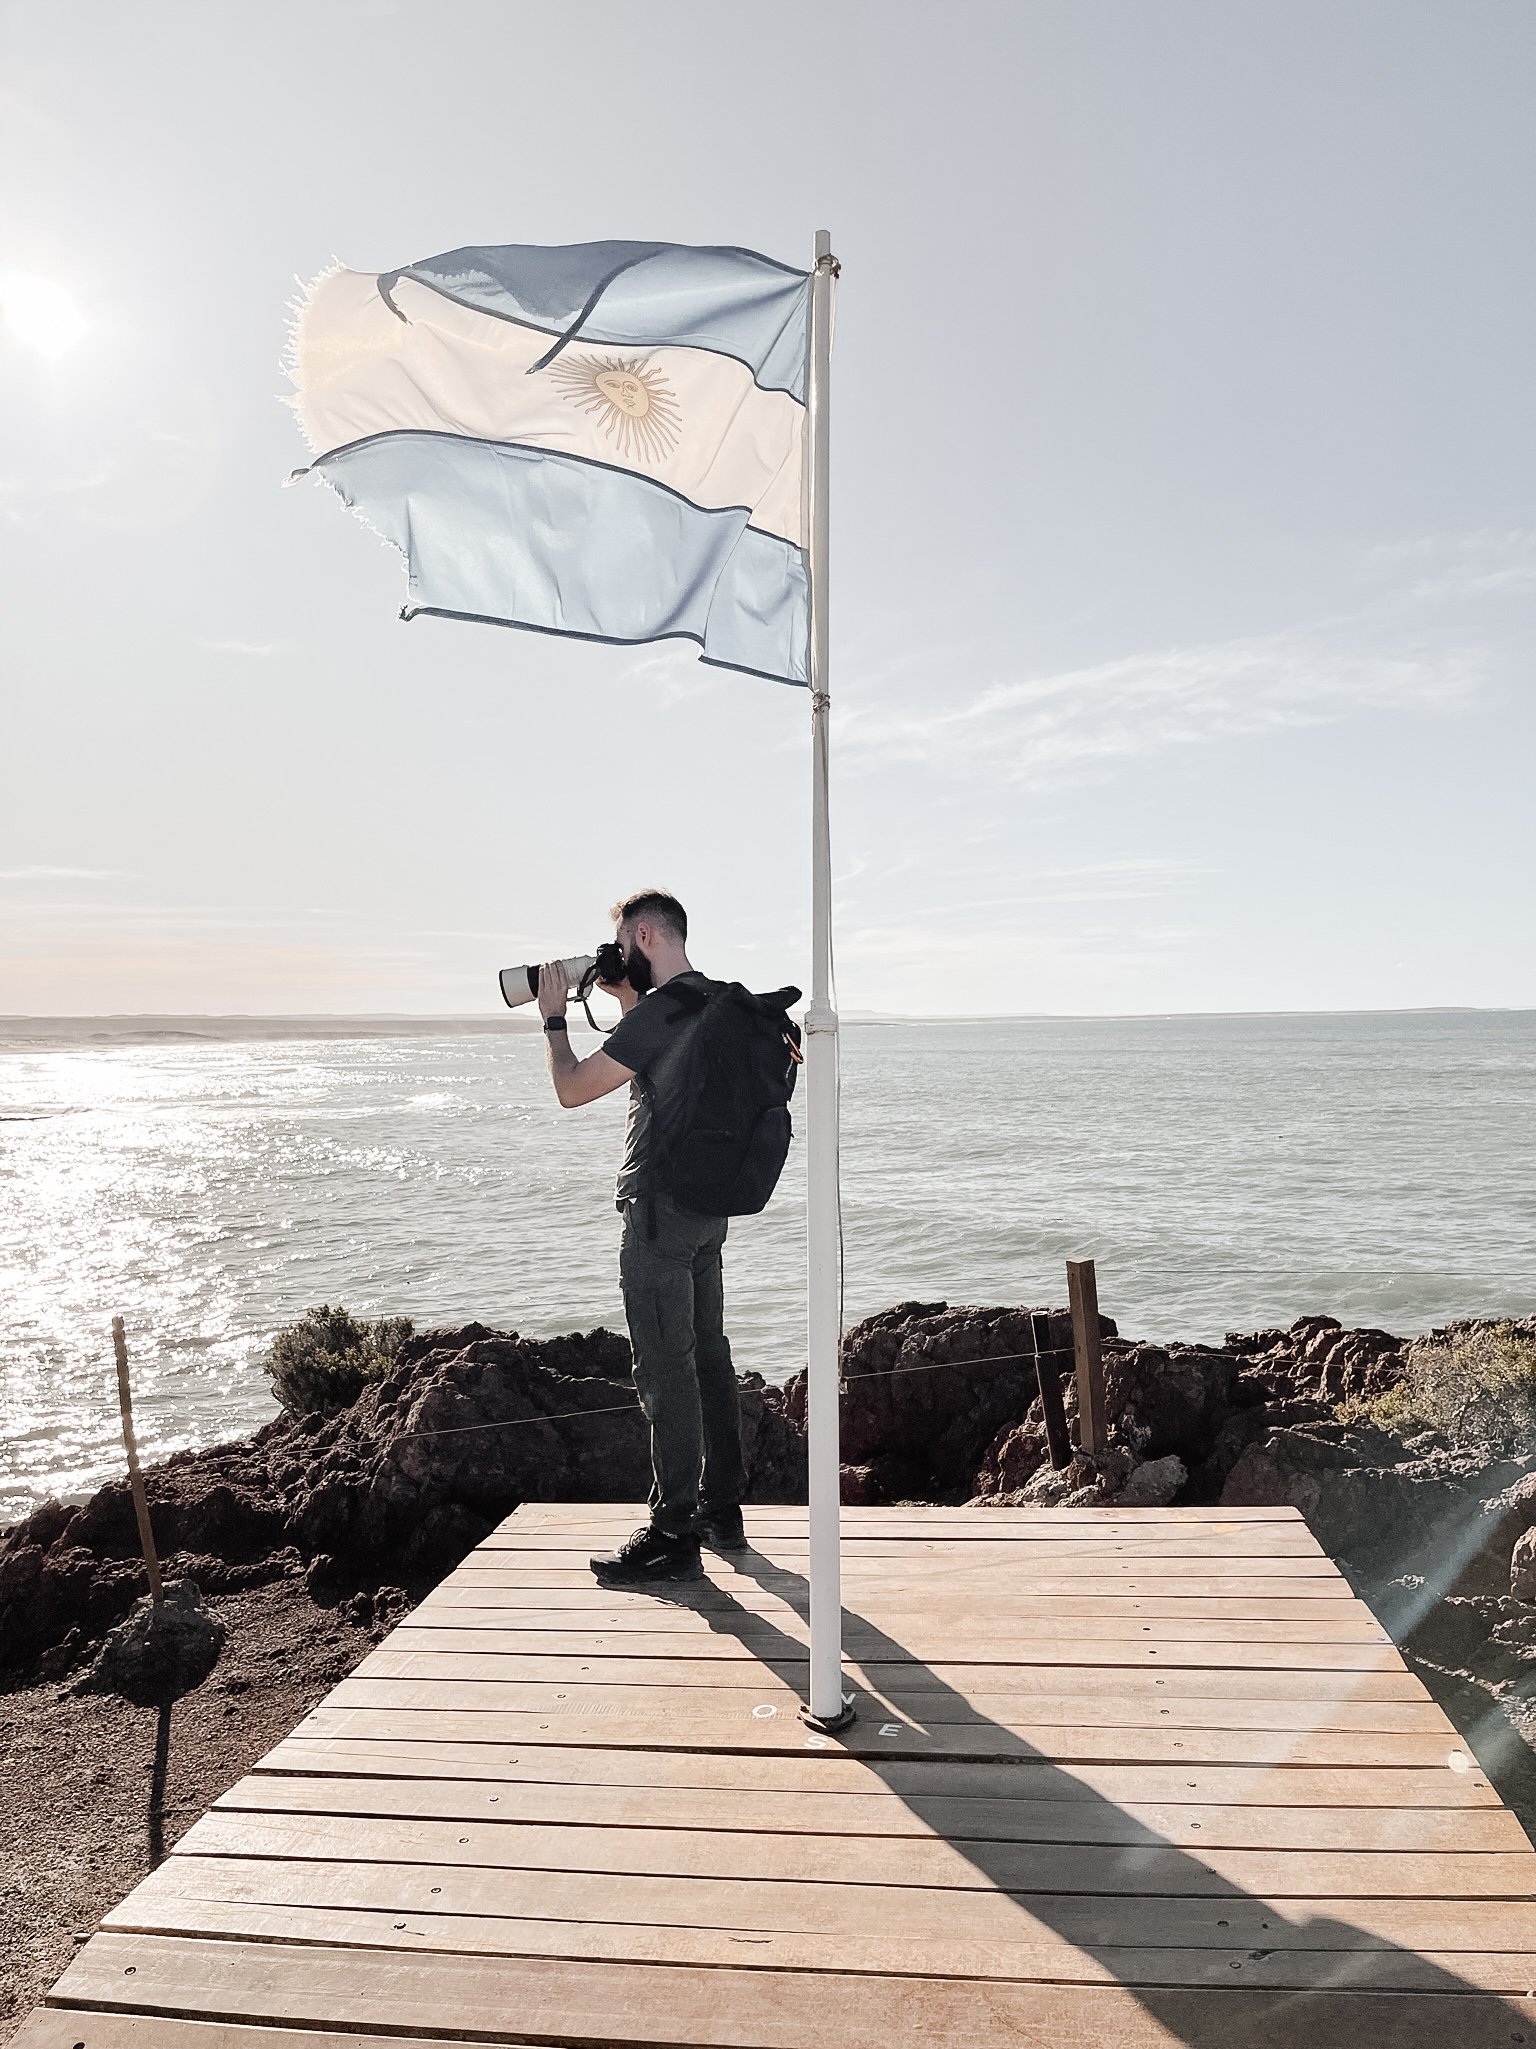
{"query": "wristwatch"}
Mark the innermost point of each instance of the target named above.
(554, 1024)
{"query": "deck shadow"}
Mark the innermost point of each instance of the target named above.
(1193, 2016)
(154, 1817)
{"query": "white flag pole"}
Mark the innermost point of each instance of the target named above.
(827, 1709)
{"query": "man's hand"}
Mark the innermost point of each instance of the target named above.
(576, 1081)
(624, 994)
(554, 989)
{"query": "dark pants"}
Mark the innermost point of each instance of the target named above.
(674, 1298)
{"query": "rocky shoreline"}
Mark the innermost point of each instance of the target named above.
(371, 1505)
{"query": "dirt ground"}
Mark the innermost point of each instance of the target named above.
(95, 1790)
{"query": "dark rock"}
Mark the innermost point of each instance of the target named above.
(1450, 1516)
(1451, 1633)
(220, 1576)
(1154, 1483)
(397, 1487)
(160, 1649)
(928, 1388)
(1503, 1520)
(1160, 1402)
(1487, 1642)
(1172, 1400)
(324, 1577)
(1084, 1482)
(1315, 1359)
(56, 1661)
(445, 1534)
(375, 1608)
(1017, 1465)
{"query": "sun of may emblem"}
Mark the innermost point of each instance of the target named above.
(632, 402)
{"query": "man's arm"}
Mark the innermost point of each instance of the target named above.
(576, 1081)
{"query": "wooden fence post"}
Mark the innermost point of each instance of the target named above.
(1049, 1381)
(1083, 1292)
(135, 1477)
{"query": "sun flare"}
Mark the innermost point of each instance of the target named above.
(38, 313)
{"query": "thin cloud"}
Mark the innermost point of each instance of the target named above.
(1444, 569)
(1041, 728)
(241, 647)
(1435, 627)
(45, 874)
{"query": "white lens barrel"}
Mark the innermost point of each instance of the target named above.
(521, 985)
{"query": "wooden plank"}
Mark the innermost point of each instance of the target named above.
(1256, 1539)
(936, 1525)
(903, 1609)
(521, 1999)
(826, 1772)
(875, 1650)
(386, 1928)
(872, 1554)
(990, 1611)
(80, 2028)
(1126, 1707)
(1197, 1827)
(982, 1609)
(1008, 1557)
(540, 1514)
(1254, 1671)
(660, 1728)
(901, 1573)
(853, 1910)
(904, 1860)
(779, 1591)
(989, 1641)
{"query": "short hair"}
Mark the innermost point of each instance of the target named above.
(656, 905)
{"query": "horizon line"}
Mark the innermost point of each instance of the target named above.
(486, 1019)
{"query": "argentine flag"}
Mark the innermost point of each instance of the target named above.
(602, 440)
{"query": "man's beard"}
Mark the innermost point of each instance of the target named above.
(637, 970)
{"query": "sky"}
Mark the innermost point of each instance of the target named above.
(1184, 508)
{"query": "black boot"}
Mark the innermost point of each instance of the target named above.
(650, 1554)
(721, 1529)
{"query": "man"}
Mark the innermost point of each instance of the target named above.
(669, 1260)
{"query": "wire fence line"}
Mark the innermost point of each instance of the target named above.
(633, 1404)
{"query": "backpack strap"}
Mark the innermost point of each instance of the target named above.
(687, 1001)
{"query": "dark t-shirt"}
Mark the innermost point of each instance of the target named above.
(654, 1039)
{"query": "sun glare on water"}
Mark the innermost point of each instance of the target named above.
(38, 313)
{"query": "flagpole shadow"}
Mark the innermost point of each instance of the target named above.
(1200, 2016)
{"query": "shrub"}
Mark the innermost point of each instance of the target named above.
(325, 1360)
(1477, 1388)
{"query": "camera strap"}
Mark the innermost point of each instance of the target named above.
(583, 991)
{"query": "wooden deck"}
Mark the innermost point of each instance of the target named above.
(1117, 1779)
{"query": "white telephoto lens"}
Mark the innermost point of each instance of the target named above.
(521, 985)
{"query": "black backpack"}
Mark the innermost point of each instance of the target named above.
(729, 1150)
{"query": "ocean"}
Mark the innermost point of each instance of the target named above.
(1224, 1172)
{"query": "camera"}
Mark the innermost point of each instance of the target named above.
(585, 970)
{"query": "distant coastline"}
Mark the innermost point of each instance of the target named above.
(20, 1033)
(27, 1033)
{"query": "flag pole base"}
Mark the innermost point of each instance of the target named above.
(829, 1725)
